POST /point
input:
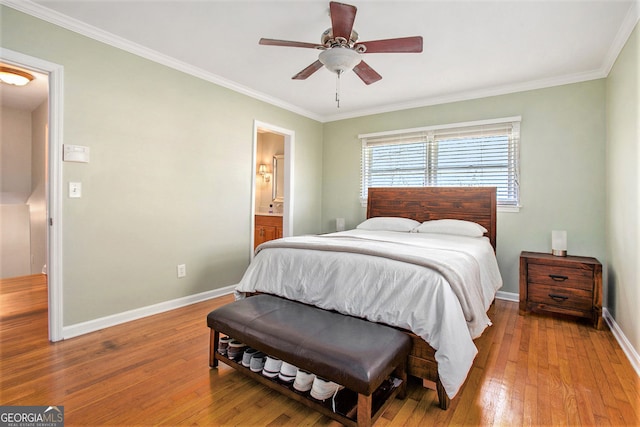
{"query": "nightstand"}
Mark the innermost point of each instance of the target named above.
(569, 285)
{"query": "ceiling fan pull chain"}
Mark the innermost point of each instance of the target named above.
(338, 88)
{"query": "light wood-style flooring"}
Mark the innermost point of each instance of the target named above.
(532, 370)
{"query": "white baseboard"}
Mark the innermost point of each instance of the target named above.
(508, 296)
(127, 316)
(628, 349)
(138, 313)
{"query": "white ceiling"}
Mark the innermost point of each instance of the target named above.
(472, 48)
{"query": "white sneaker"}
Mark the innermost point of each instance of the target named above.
(287, 373)
(257, 362)
(247, 355)
(303, 381)
(271, 367)
(323, 389)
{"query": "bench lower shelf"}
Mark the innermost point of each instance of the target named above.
(349, 405)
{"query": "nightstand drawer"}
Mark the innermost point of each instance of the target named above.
(566, 277)
(570, 285)
(556, 296)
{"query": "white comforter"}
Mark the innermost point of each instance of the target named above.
(438, 286)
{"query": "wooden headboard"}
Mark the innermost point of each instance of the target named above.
(477, 204)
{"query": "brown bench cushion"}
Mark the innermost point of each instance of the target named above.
(352, 352)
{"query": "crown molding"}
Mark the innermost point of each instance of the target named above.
(474, 94)
(77, 26)
(624, 32)
(46, 14)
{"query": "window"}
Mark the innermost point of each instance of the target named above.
(463, 154)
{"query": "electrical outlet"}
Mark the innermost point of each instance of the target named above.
(182, 271)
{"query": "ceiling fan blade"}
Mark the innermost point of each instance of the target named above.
(366, 73)
(308, 71)
(287, 43)
(405, 44)
(342, 18)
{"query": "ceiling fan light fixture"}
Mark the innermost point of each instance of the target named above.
(14, 76)
(339, 59)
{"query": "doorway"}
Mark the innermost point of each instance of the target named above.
(33, 196)
(272, 183)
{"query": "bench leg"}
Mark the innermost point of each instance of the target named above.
(213, 348)
(401, 373)
(364, 410)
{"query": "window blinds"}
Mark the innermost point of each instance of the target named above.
(472, 154)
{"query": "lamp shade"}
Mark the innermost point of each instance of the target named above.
(339, 59)
(559, 242)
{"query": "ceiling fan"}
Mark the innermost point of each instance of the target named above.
(341, 49)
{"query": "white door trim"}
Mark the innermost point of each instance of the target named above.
(289, 143)
(54, 179)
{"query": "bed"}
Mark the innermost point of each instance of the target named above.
(437, 287)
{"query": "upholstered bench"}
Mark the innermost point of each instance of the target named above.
(352, 352)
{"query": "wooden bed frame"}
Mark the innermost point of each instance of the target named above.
(477, 204)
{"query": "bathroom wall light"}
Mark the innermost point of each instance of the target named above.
(262, 170)
(14, 76)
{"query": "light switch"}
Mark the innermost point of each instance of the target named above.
(75, 190)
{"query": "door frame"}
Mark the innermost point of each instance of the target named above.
(54, 181)
(288, 204)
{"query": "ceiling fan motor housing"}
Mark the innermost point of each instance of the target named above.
(328, 40)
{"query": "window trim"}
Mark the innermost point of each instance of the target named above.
(425, 129)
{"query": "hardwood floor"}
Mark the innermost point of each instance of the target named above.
(531, 370)
(23, 295)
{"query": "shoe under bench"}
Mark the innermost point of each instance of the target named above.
(367, 358)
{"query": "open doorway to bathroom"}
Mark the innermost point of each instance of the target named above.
(272, 183)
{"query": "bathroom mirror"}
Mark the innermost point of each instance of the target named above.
(278, 178)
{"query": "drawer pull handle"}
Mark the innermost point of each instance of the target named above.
(558, 298)
(558, 278)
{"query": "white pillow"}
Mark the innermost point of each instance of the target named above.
(452, 226)
(387, 223)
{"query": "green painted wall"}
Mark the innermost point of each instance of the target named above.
(169, 180)
(170, 175)
(622, 294)
(562, 168)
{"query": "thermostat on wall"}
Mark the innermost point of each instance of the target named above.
(75, 153)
